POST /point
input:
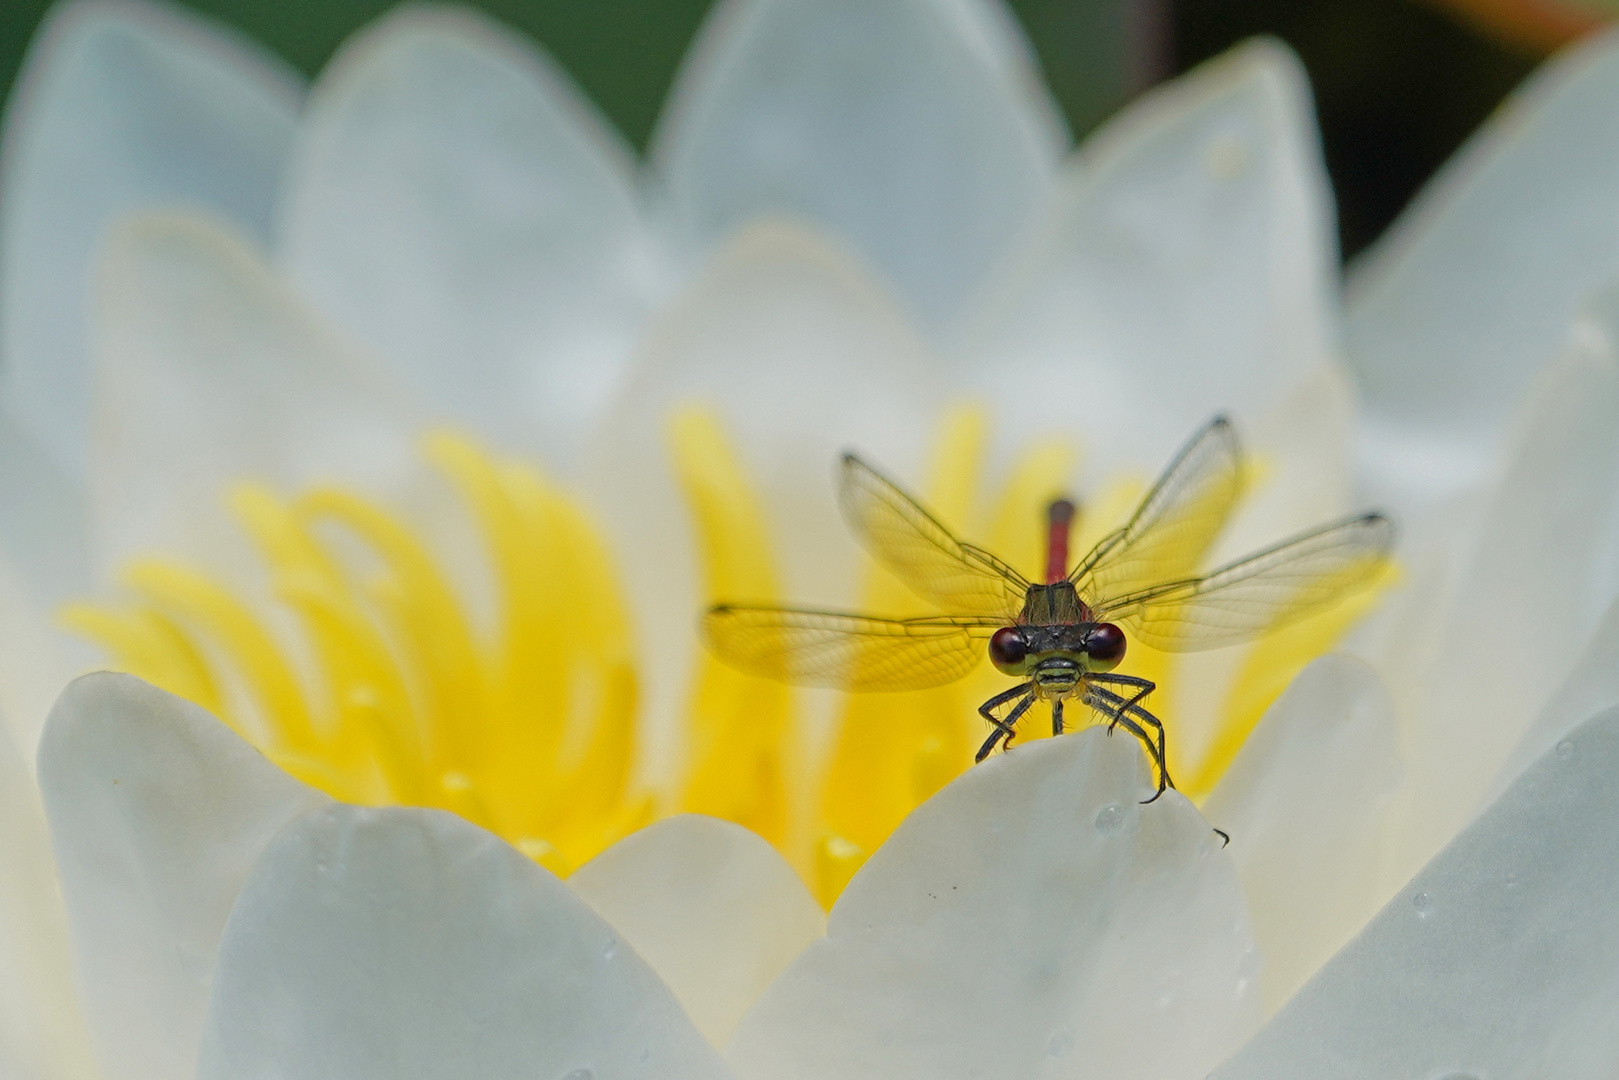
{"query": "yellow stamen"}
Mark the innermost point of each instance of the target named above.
(737, 722)
(527, 728)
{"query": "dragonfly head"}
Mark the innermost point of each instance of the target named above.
(1051, 654)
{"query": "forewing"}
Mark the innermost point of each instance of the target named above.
(1169, 535)
(1247, 598)
(921, 552)
(846, 652)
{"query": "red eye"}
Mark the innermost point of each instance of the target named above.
(1105, 645)
(1007, 649)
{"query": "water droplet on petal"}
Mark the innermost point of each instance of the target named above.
(1565, 749)
(1061, 1043)
(580, 1074)
(1110, 819)
(610, 948)
(1422, 904)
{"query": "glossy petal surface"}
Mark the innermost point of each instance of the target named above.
(157, 813)
(212, 371)
(1497, 960)
(710, 906)
(401, 944)
(1031, 920)
(1183, 268)
(1307, 804)
(1471, 292)
(458, 205)
(914, 130)
(122, 106)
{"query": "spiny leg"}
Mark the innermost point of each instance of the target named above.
(1003, 728)
(1120, 705)
(1142, 687)
(1120, 710)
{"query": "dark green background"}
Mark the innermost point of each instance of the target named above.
(1398, 84)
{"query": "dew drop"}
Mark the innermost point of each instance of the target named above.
(1422, 904)
(1512, 881)
(1565, 750)
(580, 1074)
(1110, 819)
(1061, 1043)
(610, 948)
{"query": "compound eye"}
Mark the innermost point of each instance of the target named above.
(1105, 646)
(1008, 650)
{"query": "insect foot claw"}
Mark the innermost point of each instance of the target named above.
(1225, 837)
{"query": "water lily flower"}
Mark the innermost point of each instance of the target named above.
(854, 216)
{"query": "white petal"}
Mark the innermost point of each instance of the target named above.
(212, 371)
(1499, 958)
(1185, 267)
(1473, 667)
(1031, 920)
(121, 106)
(458, 205)
(914, 129)
(802, 356)
(1307, 805)
(403, 944)
(1470, 294)
(710, 906)
(42, 1034)
(157, 812)
(1592, 686)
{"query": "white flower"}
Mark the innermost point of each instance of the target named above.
(451, 231)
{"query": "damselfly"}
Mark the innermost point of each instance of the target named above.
(1063, 637)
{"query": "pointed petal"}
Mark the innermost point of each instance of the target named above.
(157, 812)
(1497, 960)
(1307, 804)
(42, 1032)
(121, 106)
(1033, 919)
(1530, 587)
(207, 359)
(457, 204)
(710, 906)
(1471, 292)
(916, 130)
(407, 944)
(801, 356)
(1186, 264)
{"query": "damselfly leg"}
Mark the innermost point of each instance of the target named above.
(1004, 729)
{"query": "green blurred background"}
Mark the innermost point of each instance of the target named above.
(1399, 83)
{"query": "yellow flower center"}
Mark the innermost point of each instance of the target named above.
(369, 677)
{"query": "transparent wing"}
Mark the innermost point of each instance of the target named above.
(1245, 599)
(1170, 533)
(926, 556)
(846, 652)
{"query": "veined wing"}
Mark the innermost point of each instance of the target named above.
(1169, 535)
(925, 555)
(846, 652)
(1245, 599)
